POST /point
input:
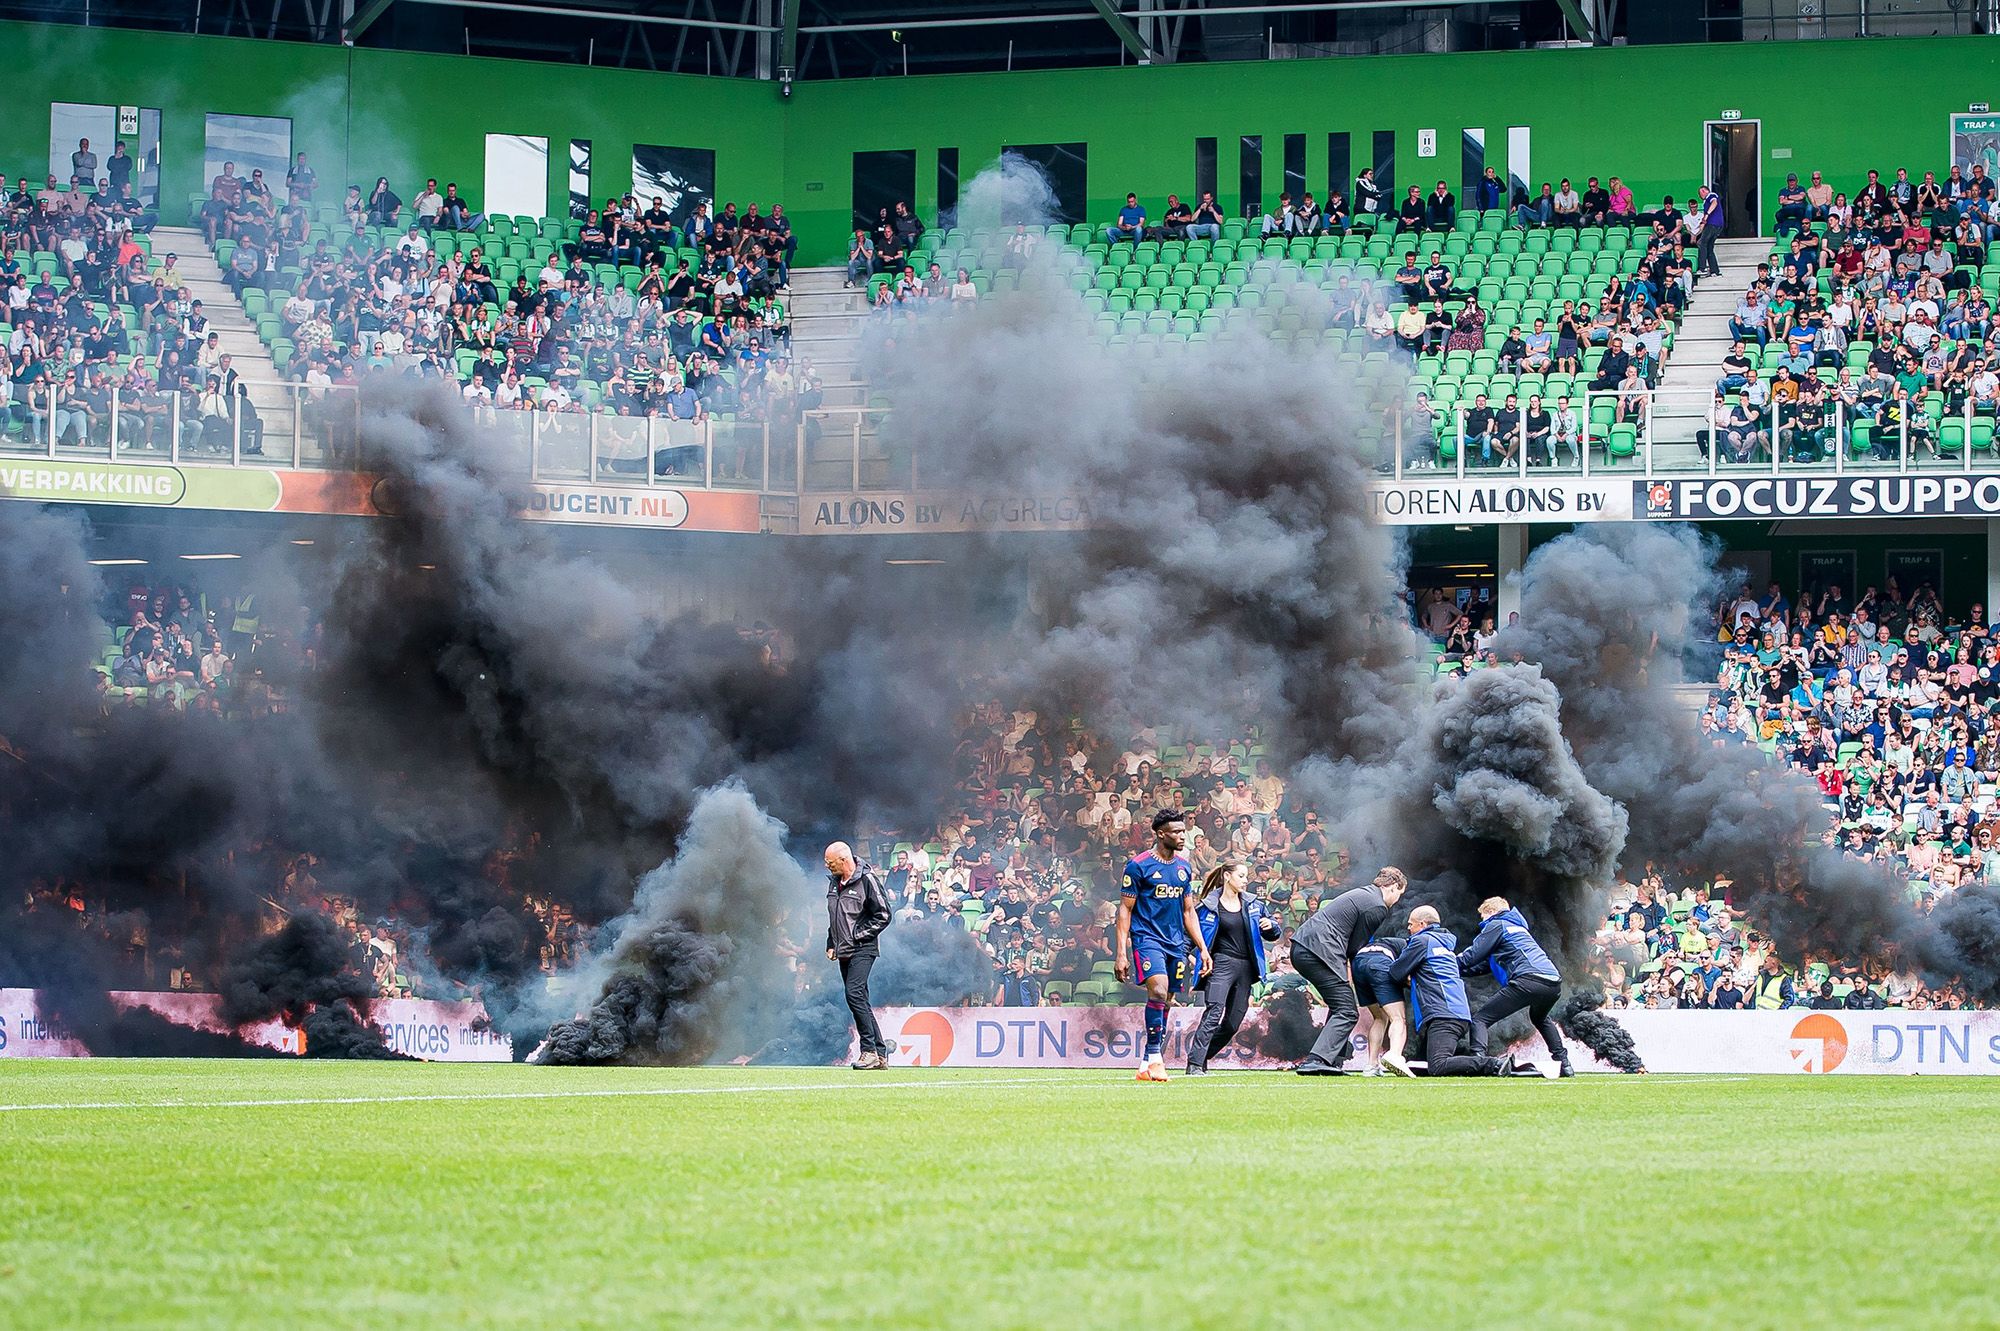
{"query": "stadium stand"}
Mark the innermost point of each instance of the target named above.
(1866, 326)
(1478, 279)
(526, 313)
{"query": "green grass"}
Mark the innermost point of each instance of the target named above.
(990, 1200)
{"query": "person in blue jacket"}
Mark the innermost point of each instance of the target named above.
(1428, 963)
(1235, 927)
(1527, 978)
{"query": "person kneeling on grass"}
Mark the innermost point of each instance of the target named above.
(1428, 963)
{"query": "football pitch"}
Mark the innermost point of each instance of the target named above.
(214, 1194)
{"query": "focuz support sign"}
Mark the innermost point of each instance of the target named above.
(1945, 496)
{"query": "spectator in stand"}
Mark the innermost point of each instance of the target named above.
(1367, 199)
(1491, 191)
(427, 205)
(1539, 211)
(225, 194)
(383, 205)
(1595, 204)
(1131, 223)
(1793, 209)
(1410, 216)
(1568, 206)
(1207, 223)
(455, 214)
(1441, 208)
(300, 182)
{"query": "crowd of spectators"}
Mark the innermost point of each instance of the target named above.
(1611, 336)
(631, 310)
(1870, 325)
(1887, 703)
(182, 648)
(95, 327)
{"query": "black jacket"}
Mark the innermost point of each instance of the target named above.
(1339, 929)
(857, 911)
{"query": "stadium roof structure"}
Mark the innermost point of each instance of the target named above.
(793, 40)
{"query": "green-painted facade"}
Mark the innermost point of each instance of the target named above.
(1839, 106)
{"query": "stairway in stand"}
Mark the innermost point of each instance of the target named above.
(1699, 346)
(202, 277)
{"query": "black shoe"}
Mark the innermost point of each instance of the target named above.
(1565, 1070)
(1196, 1070)
(1319, 1070)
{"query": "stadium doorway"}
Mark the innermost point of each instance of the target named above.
(1730, 151)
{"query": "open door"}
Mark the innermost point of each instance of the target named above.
(1731, 162)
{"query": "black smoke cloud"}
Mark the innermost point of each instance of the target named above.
(695, 969)
(1605, 612)
(1232, 577)
(478, 678)
(301, 973)
(1485, 798)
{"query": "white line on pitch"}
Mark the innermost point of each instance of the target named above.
(603, 1093)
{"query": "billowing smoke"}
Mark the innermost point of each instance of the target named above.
(1484, 798)
(1231, 577)
(301, 974)
(480, 684)
(1581, 1014)
(1605, 613)
(696, 967)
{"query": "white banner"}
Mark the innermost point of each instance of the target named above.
(1791, 1041)
(1417, 501)
(1961, 1044)
(437, 1032)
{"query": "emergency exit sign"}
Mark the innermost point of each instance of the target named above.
(1732, 115)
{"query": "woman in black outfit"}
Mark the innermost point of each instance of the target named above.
(1235, 927)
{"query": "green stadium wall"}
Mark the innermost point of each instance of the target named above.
(1838, 106)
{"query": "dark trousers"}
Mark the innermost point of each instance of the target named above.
(1228, 996)
(854, 974)
(1536, 993)
(1704, 249)
(1440, 1038)
(1336, 1038)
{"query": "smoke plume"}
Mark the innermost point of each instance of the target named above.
(481, 684)
(695, 968)
(1605, 613)
(301, 974)
(1583, 1018)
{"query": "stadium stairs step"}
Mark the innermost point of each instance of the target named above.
(827, 320)
(1700, 346)
(238, 332)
